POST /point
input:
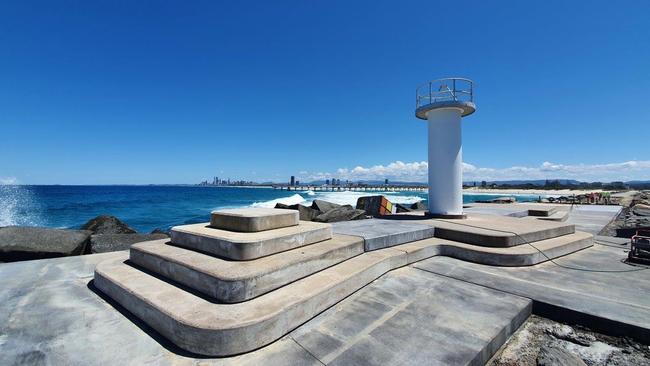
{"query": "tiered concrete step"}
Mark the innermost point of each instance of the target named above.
(498, 231)
(253, 219)
(235, 281)
(198, 325)
(248, 245)
(558, 216)
(521, 255)
(541, 210)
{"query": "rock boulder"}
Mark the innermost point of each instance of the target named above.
(641, 209)
(105, 224)
(104, 243)
(25, 243)
(553, 355)
(324, 206)
(306, 213)
(341, 213)
(419, 206)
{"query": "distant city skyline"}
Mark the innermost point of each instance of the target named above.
(97, 93)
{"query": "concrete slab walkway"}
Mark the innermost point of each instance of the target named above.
(613, 302)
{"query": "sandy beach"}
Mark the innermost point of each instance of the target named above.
(542, 192)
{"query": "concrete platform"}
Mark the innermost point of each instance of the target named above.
(51, 315)
(247, 246)
(253, 219)
(581, 291)
(412, 317)
(235, 281)
(592, 218)
(522, 255)
(378, 233)
(197, 325)
(498, 231)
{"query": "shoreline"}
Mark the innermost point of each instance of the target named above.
(541, 192)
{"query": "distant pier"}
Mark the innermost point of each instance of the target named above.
(336, 188)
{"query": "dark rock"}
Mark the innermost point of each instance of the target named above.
(641, 209)
(419, 206)
(306, 213)
(26, 243)
(324, 206)
(105, 224)
(104, 243)
(160, 231)
(401, 208)
(552, 355)
(342, 213)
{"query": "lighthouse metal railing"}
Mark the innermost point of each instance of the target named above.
(444, 90)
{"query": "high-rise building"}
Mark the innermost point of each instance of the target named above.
(293, 181)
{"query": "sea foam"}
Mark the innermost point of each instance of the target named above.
(291, 200)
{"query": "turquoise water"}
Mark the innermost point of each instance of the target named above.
(149, 207)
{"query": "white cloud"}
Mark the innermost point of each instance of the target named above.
(417, 171)
(8, 180)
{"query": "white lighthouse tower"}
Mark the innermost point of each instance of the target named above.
(443, 103)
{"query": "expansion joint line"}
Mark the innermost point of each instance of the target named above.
(306, 350)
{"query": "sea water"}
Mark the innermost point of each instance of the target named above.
(146, 208)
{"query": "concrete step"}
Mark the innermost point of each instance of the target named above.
(498, 231)
(541, 210)
(522, 255)
(236, 281)
(198, 325)
(253, 219)
(559, 216)
(248, 245)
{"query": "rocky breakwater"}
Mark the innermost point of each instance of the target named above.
(366, 207)
(323, 211)
(635, 215)
(99, 235)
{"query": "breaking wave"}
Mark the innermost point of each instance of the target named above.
(292, 200)
(17, 206)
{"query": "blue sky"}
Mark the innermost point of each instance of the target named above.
(108, 92)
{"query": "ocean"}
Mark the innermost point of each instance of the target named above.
(146, 208)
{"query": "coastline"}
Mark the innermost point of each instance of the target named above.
(541, 192)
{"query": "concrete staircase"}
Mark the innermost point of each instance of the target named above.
(251, 276)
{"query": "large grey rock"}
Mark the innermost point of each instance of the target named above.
(306, 213)
(106, 224)
(324, 206)
(342, 213)
(250, 220)
(641, 209)
(26, 243)
(104, 243)
(552, 355)
(419, 206)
